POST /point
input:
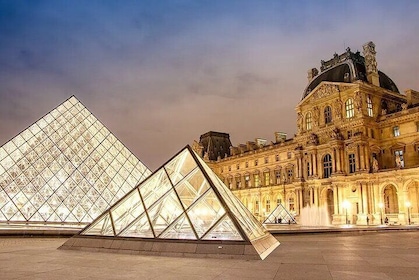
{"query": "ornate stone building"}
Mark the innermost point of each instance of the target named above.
(356, 150)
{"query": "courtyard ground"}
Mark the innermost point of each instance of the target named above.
(346, 255)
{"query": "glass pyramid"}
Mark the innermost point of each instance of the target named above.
(280, 215)
(65, 168)
(183, 199)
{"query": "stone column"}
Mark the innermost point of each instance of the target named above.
(362, 156)
(315, 164)
(338, 166)
(335, 201)
(316, 197)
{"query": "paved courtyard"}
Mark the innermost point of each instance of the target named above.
(388, 255)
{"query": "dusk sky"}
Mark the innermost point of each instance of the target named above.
(159, 74)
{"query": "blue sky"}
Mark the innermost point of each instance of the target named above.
(160, 73)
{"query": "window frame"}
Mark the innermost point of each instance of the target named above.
(327, 166)
(349, 108)
(327, 114)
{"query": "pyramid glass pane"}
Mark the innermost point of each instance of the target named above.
(72, 162)
(205, 212)
(180, 166)
(164, 212)
(140, 228)
(223, 230)
(101, 227)
(156, 186)
(249, 223)
(192, 187)
(127, 210)
(180, 229)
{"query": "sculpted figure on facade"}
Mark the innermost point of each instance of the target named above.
(398, 161)
(375, 166)
(358, 101)
(338, 108)
(316, 115)
(314, 139)
(336, 134)
(299, 122)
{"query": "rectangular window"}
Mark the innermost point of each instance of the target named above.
(277, 156)
(257, 208)
(266, 159)
(257, 181)
(229, 168)
(372, 133)
(278, 201)
(268, 206)
(289, 173)
(256, 162)
(417, 126)
(230, 183)
(267, 179)
(308, 169)
(291, 204)
(289, 155)
(349, 134)
(352, 164)
(278, 177)
(247, 164)
(238, 166)
(369, 107)
(396, 131)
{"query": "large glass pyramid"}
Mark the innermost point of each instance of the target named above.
(280, 215)
(183, 200)
(66, 168)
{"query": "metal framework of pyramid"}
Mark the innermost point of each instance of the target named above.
(66, 168)
(183, 201)
(280, 215)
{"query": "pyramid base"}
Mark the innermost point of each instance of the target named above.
(172, 248)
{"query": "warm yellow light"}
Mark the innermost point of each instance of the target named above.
(346, 204)
(408, 204)
(381, 205)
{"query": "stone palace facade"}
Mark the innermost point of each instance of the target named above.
(355, 153)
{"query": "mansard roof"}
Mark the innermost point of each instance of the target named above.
(346, 68)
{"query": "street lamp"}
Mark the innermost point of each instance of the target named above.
(381, 205)
(345, 205)
(408, 210)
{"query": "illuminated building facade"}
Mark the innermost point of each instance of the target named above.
(356, 150)
(182, 208)
(65, 169)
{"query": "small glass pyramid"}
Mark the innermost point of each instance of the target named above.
(183, 200)
(280, 215)
(66, 168)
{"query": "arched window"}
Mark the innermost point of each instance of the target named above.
(327, 166)
(369, 106)
(349, 107)
(308, 121)
(327, 115)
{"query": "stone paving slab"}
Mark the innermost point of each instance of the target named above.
(370, 255)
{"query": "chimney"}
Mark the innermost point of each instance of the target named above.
(371, 63)
(280, 137)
